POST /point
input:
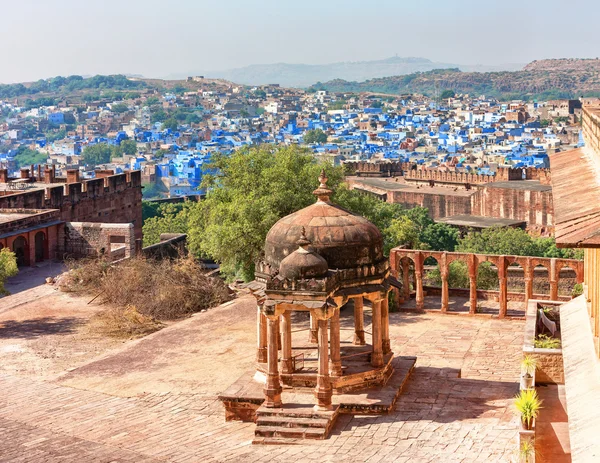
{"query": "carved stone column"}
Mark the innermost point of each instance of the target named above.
(261, 328)
(323, 391)
(528, 272)
(406, 279)
(445, 298)
(377, 354)
(419, 297)
(286, 350)
(313, 331)
(359, 322)
(273, 386)
(554, 275)
(472, 265)
(385, 326)
(335, 362)
(503, 297)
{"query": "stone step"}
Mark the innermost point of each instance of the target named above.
(291, 433)
(276, 441)
(292, 422)
(307, 411)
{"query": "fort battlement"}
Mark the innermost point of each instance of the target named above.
(415, 173)
(109, 199)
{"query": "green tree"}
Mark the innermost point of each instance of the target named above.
(171, 218)
(100, 153)
(8, 268)
(254, 188)
(170, 123)
(403, 231)
(159, 154)
(448, 94)
(119, 108)
(440, 237)
(129, 147)
(25, 157)
(315, 136)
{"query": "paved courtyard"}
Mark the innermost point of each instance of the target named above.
(154, 399)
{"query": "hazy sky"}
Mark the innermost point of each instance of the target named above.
(44, 38)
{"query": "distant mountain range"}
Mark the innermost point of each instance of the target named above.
(544, 79)
(303, 75)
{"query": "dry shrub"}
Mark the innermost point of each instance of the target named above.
(163, 290)
(124, 323)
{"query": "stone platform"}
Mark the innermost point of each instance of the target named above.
(243, 402)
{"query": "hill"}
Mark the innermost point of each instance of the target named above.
(545, 79)
(303, 75)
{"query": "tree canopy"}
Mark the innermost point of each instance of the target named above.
(129, 147)
(26, 157)
(8, 267)
(100, 153)
(315, 136)
(253, 189)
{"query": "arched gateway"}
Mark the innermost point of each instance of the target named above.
(316, 261)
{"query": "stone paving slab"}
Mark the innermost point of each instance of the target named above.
(440, 416)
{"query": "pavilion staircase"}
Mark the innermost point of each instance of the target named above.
(292, 423)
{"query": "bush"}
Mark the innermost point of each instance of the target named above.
(577, 290)
(458, 276)
(8, 268)
(124, 323)
(161, 290)
(544, 341)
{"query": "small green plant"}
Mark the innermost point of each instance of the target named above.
(577, 290)
(528, 404)
(527, 450)
(528, 364)
(544, 341)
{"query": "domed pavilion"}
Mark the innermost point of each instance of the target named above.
(317, 260)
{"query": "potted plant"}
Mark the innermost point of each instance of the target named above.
(543, 341)
(528, 404)
(527, 451)
(528, 365)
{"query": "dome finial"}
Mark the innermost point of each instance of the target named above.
(303, 241)
(323, 193)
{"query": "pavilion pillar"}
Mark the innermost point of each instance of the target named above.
(323, 391)
(554, 275)
(419, 299)
(472, 265)
(335, 361)
(359, 322)
(503, 297)
(313, 331)
(286, 349)
(377, 354)
(406, 279)
(385, 325)
(528, 273)
(444, 273)
(261, 335)
(272, 388)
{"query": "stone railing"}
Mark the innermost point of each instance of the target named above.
(407, 264)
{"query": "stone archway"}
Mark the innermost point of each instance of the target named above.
(21, 250)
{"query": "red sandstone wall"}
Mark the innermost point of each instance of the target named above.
(533, 207)
(439, 205)
(114, 199)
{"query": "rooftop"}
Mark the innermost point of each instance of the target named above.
(475, 221)
(576, 199)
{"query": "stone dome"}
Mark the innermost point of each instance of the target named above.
(303, 263)
(343, 239)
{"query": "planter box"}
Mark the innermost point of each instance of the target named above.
(527, 434)
(549, 368)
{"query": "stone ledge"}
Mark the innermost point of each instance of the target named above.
(582, 381)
